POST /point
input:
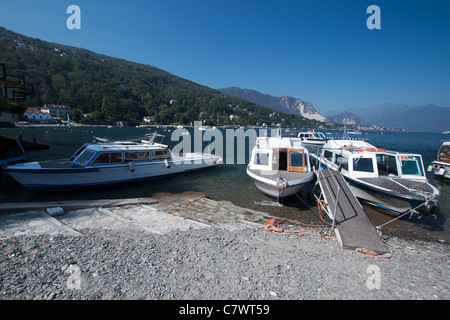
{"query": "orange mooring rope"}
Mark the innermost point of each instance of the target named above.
(271, 225)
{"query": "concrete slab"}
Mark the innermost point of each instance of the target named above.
(162, 214)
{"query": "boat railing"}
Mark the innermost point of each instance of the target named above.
(321, 176)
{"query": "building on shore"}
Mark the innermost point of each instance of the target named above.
(57, 112)
(36, 115)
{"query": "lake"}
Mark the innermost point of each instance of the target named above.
(229, 181)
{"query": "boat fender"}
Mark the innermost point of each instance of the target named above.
(131, 166)
(166, 163)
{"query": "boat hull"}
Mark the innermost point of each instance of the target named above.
(278, 189)
(387, 200)
(72, 178)
(441, 170)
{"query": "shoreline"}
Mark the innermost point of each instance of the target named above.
(179, 247)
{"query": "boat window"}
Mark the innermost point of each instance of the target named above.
(387, 165)
(262, 158)
(296, 161)
(84, 157)
(342, 161)
(108, 157)
(160, 155)
(412, 165)
(363, 164)
(328, 155)
(137, 156)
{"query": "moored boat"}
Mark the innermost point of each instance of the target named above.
(279, 166)
(389, 180)
(105, 162)
(441, 166)
(312, 138)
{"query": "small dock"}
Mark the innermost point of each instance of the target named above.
(354, 230)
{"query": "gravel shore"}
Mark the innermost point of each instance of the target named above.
(214, 263)
(188, 247)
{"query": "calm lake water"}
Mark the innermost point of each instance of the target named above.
(229, 181)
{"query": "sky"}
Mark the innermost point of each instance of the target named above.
(320, 51)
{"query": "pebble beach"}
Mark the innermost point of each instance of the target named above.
(167, 251)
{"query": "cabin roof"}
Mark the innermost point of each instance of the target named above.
(116, 147)
(336, 144)
(277, 142)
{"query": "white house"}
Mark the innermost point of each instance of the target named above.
(35, 114)
(57, 111)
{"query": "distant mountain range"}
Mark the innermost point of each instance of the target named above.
(348, 118)
(429, 117)
(285, 104)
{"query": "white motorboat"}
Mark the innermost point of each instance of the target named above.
(312, 138)
(389, 180)
(280, 166)
(441, 166)
(105, 162)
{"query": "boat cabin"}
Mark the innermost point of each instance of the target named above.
(283, 156)
(362, 160)
(312, 135)
(108, 154)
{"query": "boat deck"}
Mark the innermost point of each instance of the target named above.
(354, 229)
(400, 185)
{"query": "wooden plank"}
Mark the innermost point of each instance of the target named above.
(355, 230)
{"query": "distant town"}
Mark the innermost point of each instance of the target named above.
(56, 114)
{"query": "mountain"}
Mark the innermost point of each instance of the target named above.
(429, 117)
(284, 104)
(348, 118)
(112, 89)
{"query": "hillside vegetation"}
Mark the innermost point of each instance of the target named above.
(112, 89)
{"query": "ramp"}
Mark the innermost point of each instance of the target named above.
(354, 230)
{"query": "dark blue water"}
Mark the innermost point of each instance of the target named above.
(229, 181)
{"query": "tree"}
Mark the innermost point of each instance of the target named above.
(191, 115)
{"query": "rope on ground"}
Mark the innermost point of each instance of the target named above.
(372, 254)
(271, 225)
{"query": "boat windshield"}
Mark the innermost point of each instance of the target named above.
(84, 157)
(387, 165)
(319, 135)
(412, 165)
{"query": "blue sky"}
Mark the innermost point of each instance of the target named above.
(316, 50)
